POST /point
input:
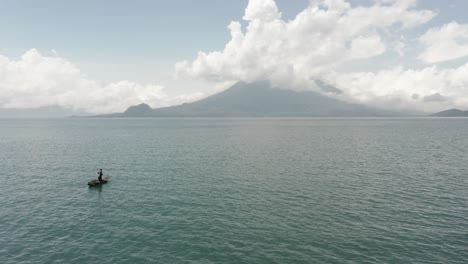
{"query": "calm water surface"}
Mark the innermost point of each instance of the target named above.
(234, 191)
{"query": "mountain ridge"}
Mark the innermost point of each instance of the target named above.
(451, 113)
(259, 100)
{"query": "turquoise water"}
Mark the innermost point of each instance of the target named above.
(234, 191)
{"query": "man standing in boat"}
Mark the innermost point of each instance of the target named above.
(100, 175)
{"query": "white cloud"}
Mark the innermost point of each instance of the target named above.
(324, 36)
(36, 81)
(366, 47)
(445, 43)
(429, 89)
(263, 10)
(320, 38)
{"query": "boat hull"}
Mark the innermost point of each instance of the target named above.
(96, 182)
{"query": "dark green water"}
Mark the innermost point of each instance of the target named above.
(234, 191)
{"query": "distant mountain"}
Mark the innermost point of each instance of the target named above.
(327, 88)
(141, 110)
(259, 100)
(42, 112)
(451, 113)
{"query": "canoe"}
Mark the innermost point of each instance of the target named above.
(96, 182)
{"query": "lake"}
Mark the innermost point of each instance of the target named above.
(234, 191)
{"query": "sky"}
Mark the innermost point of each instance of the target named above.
(103, 56)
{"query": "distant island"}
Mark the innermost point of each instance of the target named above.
(451, 113)
(259, 100)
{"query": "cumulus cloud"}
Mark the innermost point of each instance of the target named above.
(320, 38)
(366, 47)
(445, 43)
(35, 80)
(262, 10)
(330, 33)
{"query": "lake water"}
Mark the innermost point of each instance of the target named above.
(234, 191)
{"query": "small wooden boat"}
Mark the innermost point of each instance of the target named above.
(96, 182)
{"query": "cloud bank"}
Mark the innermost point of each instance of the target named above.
(428, 89)
(321, 37)
(35, 81)
(331, 33)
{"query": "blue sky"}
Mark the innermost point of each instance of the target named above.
(111, 40)
(108, 31)
(165, 29)
(141, 41)
(56, 23)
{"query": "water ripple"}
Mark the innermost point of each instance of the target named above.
(234, 191)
